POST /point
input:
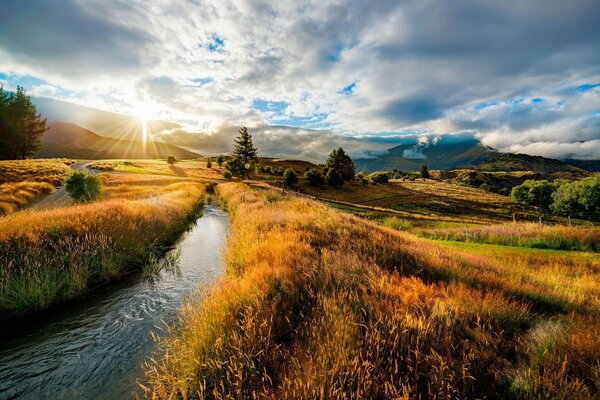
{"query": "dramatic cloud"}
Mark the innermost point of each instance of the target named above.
(520, 75)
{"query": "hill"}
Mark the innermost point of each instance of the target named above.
(73, 141)
(446, 152)
(463, 152)
(523, 162)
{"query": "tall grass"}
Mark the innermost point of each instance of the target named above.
(318, 304)
(16, 195)
(55, 255)
(559, 237)
(53, 171)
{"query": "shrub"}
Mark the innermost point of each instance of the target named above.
(220, 160)
(83, 187)
(269, 170)
(314, 176)
(208, 163)
(289, 178)
(334, 178)
(534, 193)
(210, 187)
(227, 175)
(379, 177)
(171, 160)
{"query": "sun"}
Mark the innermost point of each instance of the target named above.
(144, 112)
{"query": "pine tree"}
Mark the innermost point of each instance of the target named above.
(340, 161)
(5, 133)
(424, 171)
(21, 126)
(244, 153)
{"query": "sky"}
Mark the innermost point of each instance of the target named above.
(520, 75)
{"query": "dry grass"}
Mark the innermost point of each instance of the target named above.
(53, 171)
(16, 195)
(319, 304)
(559, 237)
(54, 255)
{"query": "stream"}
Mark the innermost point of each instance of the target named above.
(94, 348)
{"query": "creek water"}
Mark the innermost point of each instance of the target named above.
(94, 349)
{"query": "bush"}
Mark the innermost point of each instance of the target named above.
(171, 160)
(534, 193)
(227, 175)
(210, 187)
(208, 163)
(269, 170)
(314, 176)
(334, 178)
(579, 198)
(379, 177)
(83, 187)
(289, 178)
(220, 160)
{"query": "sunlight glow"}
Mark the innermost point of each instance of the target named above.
(144, 112)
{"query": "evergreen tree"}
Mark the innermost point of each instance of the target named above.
(21, 126)
(220, 160)
(244, 153)
(424, 171)
(342, 163)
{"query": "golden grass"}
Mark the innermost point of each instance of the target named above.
(53, 171)
(55, 255)
(558, 237)
(319, 304)
(16, 195)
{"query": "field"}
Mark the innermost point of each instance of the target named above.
(140, 215)
(322, 304)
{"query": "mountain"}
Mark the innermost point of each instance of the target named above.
(588, 165)
(466, 152)
(104, 123)
(445, 152)
(73, 141)
(523, 162)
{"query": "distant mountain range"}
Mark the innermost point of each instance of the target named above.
(73, 141)
(448, 152)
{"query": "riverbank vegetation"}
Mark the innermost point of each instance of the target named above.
(59, 254)
(321, 304)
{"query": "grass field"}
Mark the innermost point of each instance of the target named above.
(53, 171)
(321, 304)
(58, 254)
(18, 194)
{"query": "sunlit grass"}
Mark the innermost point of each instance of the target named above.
(559, 237)
(16, 195)
(320, 304)
(53, 171)
(58, 254)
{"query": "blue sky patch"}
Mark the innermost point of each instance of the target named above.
(215, 43)
(348, 89)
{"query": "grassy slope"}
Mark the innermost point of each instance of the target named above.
(322, 304)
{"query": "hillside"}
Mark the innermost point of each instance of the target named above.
(73, 141)
(445, 153)
(523, 162)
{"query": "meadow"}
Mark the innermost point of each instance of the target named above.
(318, 303)
(58, 254)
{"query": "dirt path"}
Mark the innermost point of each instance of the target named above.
(59, 198)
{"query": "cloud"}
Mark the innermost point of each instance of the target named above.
(350, 69)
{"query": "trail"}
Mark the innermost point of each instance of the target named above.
(59, 198)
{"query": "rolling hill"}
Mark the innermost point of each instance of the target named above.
(73, 141)
(445, 153)
(523, 162)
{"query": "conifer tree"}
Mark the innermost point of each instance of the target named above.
(342, 163)
(21, 126)
(424, 171)
(244, 153)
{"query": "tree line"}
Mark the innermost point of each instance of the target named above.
(21, 126)
(579, 198)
